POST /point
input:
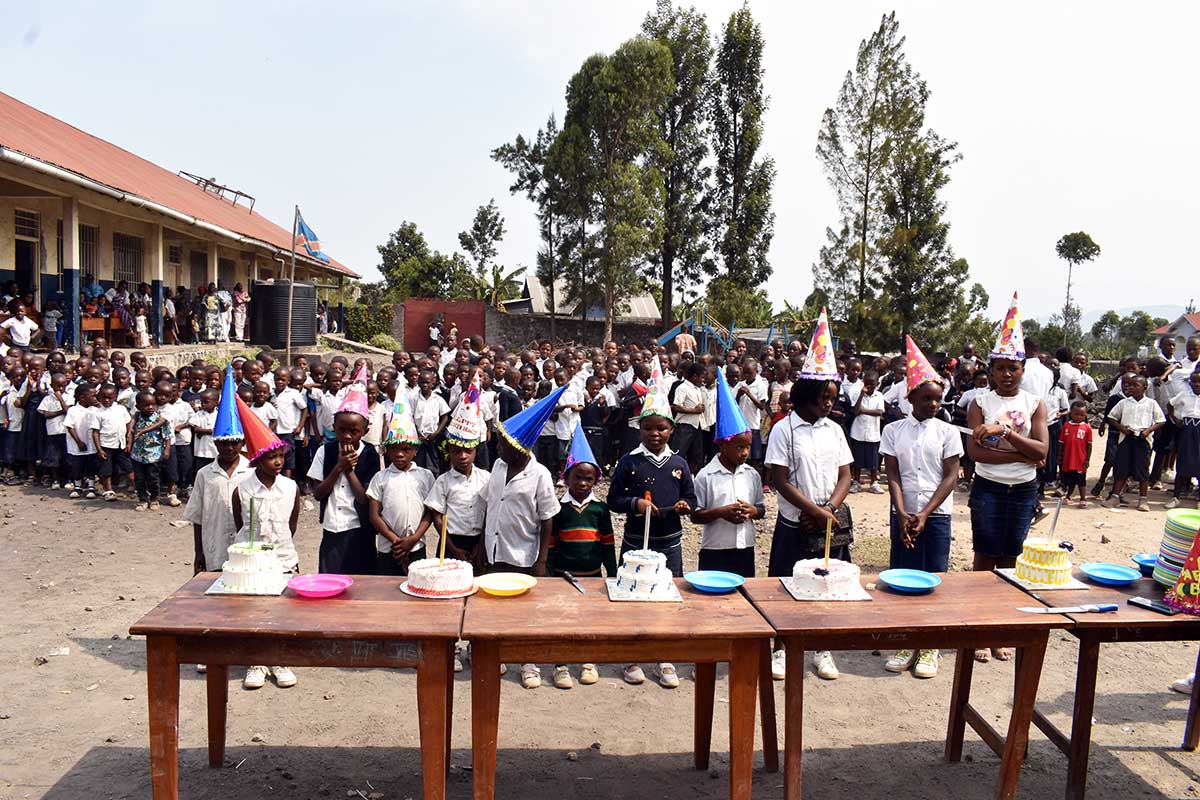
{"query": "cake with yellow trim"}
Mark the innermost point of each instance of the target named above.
(1045, 561)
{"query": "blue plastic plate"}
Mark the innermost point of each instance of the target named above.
(1110, 574)
(714, 581)
(1146, 562)
(909, 581)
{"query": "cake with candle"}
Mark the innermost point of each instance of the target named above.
(433, 577)
(813, 580)
(643, 574)
(1044, 561)
(252, 568)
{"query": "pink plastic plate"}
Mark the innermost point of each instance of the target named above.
(320, 585)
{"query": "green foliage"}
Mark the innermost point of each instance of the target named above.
(1114, 336)
(385, 341)
(835, 272)
(499, 286)
(731, 302)
(364, 322)
(481, 242)
(410, 269)
(1074, 248)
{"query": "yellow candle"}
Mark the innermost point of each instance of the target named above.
(828, 540)
(442, 543)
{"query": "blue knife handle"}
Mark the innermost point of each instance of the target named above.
(1104, 608)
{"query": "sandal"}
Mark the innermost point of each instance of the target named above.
(983, 655)
(633, 674)
(1002, 653)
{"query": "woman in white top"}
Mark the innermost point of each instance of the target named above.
(1009, 440)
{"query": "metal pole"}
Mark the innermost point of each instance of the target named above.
(291, 289)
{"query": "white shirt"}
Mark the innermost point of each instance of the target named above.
(179, 413)
(1068, 376)
(291, 406)
(460, 498)
(54, 425)
(82, 421)
(564, 424)
(864, 427)
(1185, 405)
(272, 515)
(689, 395)
(920, 447)
(752, 413)
(1057, 404)
(1085, 383)
(267, 413)
(428, 411)
(340, 513)
(624, 379)
(851, 390)
(1137, 415)
(21, 330)
(113, 423)
(401, 496)
(327, 406)
(709, 418)
(210, 507)
(717, 486)
(1179, 378)
(377, 419)
(1037, 379)
(515, 511)
(203, 445)
(897, 394)
(813, 454)
(1018, 412)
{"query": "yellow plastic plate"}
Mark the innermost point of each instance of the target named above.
(506, 584)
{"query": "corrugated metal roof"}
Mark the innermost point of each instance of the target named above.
(640, 308)
(1191, 319)
(38, 135)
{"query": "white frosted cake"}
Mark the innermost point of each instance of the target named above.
(252, 568)
(644, 574)
(429, 578)
(811, 580)
(1044, 561)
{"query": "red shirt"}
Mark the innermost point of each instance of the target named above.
(1075, 438)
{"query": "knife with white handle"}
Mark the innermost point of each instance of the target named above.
(1093, 608)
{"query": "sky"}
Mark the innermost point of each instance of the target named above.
(1069, 116)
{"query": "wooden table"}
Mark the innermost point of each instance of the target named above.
(968, 610)
(554, 623)
(372, 624)
(1127, 624)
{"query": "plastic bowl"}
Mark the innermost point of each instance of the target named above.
(318, 585)
(1109, 574)
(506, 584)
(909, 581)
(1146, 562)
(714, 581)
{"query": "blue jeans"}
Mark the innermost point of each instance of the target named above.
(1001, 516)
(932, 551)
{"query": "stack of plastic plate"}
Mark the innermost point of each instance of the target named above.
(1178, 536)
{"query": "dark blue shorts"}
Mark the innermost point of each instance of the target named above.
(82, 466)
(289, 458)
(118, 462)
(932, 551)
(1133, 459)
(1001, 516)
(756, 445)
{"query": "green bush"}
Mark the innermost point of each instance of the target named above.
(364, 323)
(384, 341)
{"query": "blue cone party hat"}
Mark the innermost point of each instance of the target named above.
(522, 430)
(228, 426)
(730, 421)
(580, 452)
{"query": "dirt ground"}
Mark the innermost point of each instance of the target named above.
(76, 575)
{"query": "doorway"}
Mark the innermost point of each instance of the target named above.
(25, 267)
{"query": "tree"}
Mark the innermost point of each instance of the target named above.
(731, 302)
(835, 270)
(482, 239)
(854, 144)
(1074, 248)
(409, 269)
(744, 222)
(1106, 332)
(683, 132)
(499, 286)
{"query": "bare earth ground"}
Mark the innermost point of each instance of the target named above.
(77, 574)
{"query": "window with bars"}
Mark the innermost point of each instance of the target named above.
(174, 254)
(89, 250)
(127, 258)
(28, 224)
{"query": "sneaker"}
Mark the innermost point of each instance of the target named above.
(562, 677)
(531, 676)
(284, 677)
(1112, 501)
(1184, 685)
(876, 488)
(91, 495)
(173, 501)
(56, 486)
(1172, 503)
(633, 675)
(826, 669)
(588, 674)
(69, 486)
(152, 507)
(927, 664)
(75, 495)
(255, 678)
(854, 487)
(1168, 476)
(779, 665)
(667, 677)
(1157, 486)
(110, 496)
(901, 661)
(1143, 505)
(141, 507)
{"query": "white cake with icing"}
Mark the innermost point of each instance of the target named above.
(644, 574)
(429, 578)
(811, 580)
(252, 568)
(1044, 561)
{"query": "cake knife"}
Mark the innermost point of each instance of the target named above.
(571, 580)
(1097, 608)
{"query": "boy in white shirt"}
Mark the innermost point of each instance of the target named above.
(864, 433)
(292, 408)
(53, 409)
(688, 408)
(111, 436)
(177, 469)
(1136, 418)
(204, 450)
(751, 396)
(397, 501)
(430, 413)
(81, 445)
(570, 403)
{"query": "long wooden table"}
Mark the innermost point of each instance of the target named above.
(556, 624)
(372, 624)
(968, 610)
(1127, 624)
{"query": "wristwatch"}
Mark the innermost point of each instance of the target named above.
(1006, 432)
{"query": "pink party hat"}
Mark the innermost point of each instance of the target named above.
(917, 370)
(355, 401)
(1010, 343)
(819, 362)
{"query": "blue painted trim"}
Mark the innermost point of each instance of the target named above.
(72, 313)
(156, 310)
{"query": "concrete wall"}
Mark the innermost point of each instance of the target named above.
(519, 330)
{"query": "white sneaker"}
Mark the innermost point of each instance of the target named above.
(1184, 685)
(173, 501)
(588, 674)
(779, 665)
(1172, 503)
(255, 678)
(633, 674)
(826, 669)
(562, 677)
(284, 677)
(1168, 476)
(854, 487)
(667, 677)
(927, 664)
(876, 488)
(901, 661)
(531, 676)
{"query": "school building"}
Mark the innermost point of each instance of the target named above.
(73, 205)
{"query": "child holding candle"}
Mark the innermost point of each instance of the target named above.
(396, 496)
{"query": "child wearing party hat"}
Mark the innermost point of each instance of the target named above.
(342, 469)
(397, 496)
(582, 541)
(655, 468)
(729, 494)
(921, 453)
(520, 503)
(810, 469)
(1009, 438)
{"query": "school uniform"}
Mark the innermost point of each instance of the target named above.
(178, 468)
(668, 479)
(564, 422)
(204, 449)
(210, 507)
(14, 442)
(592, 419)
(1133, 451)
(347, 540)
(267, 413)
(1111, 440)
(461, 498)
(273, 506)
(1185, 407)
(1057, 406)
(686, 439)
(864, 431)
(34, 432)
(753, 414)
(427, 415)
(290, 407)
(725, 545)
(920, 448)
(515, 510)
(81, 448)
(401, 495)
(55, 455)
(113, 425)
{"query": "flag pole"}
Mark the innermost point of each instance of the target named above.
(291, 289)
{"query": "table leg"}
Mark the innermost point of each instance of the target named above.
(449, 703)
(743, 676)
(1081, 721)
(1029, 673)
(766, 708)
(960, 697)
(793, 718)
(162, 685)
(1191, 735)
(485, 716)
(218, 706)
(706, 688)
(431, 711)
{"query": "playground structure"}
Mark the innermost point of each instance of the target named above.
(711, 333)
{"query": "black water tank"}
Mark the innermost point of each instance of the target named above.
(268, 314)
